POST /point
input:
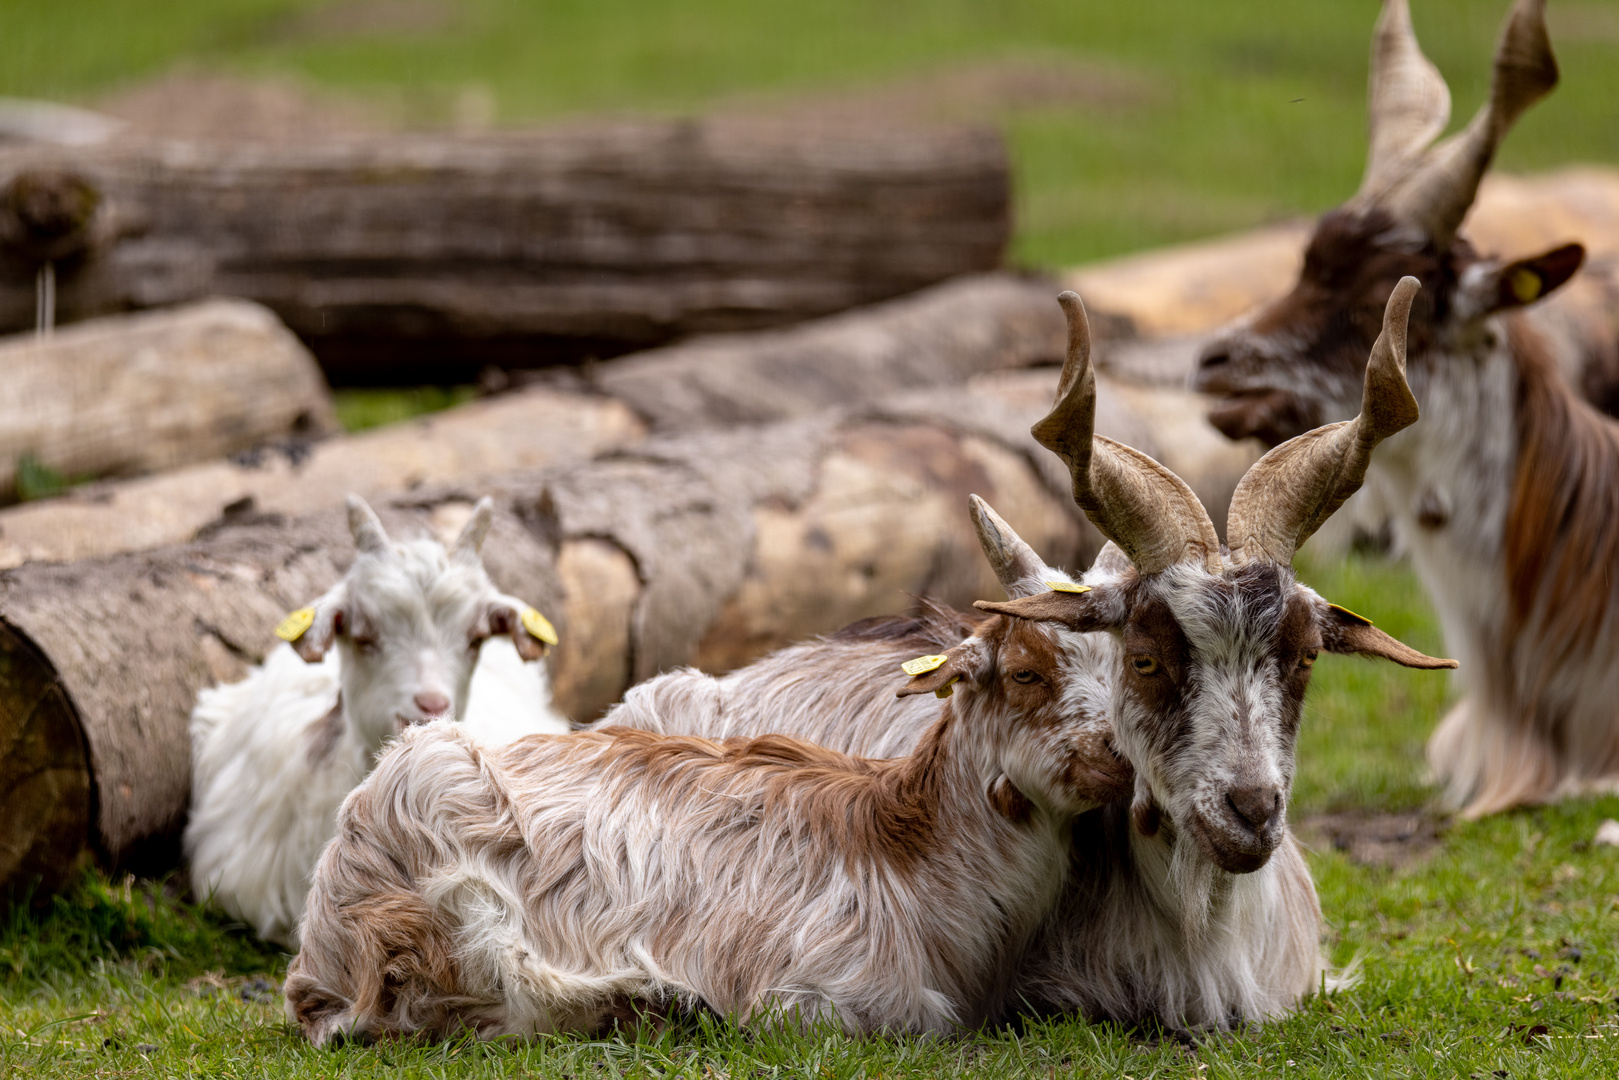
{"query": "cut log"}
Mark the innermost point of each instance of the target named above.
(141, 393)
(706, 547)
(409, 259)
(938, 336)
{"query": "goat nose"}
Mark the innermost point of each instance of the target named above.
(432, 704)
(1256, 805)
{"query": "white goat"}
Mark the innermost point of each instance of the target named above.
(566, 882)
(274, 755)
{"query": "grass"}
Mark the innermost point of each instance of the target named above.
(1207, 117)
(358, 409)
(1493, 957)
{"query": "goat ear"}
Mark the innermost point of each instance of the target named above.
(530, 631)
(1342, 631)
(470, 542)
(938, 674)
(369, 535)
(1523, 282)
(1087, 610)
(329, 615)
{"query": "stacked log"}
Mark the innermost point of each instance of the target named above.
(939, 336)
(142, 393)
(421, 258)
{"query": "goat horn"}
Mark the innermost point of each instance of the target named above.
(1136, 503)
(470, 542)
(1291, 491)
(1017, 567)
(369, 535)
(1409, 103)
(1436, 194)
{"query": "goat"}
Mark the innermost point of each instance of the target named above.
(1193, 907)
(563, 881)
(1507, 498)
(274, 755)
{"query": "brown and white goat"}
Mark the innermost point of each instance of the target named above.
(1201, 912)
(1507, 495)
(565, 882)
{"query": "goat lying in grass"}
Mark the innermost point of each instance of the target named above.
(563, 883)
(1196, 911)
(274, 755)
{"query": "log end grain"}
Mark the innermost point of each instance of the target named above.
(46, 797)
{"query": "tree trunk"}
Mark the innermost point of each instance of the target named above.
(939, 336)
(702, 548)
(408, 259)
(140, 393)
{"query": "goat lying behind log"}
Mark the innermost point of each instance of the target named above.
(275, 754)
(1506, 496)
(1203, 913)
(563, 881)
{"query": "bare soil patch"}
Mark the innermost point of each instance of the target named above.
(1371, 838)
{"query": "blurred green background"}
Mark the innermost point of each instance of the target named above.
(1131, 124)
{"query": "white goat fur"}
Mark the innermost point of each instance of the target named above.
(559, 882)
(274, 755)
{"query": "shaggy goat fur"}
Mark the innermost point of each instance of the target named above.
(1507, 495)
(274, 755)
(562, 882)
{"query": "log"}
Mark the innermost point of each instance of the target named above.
(938, 336)
(140, 393)
(707, 547)
(422, 258)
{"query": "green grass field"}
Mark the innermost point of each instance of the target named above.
(1181, 118)
(1489, 955)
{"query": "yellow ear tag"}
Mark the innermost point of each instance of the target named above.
(293, 626)
(538, 626)
(922, 664)
(1363, 620)
(1525, 284)
(1067, 586)
(948, 688)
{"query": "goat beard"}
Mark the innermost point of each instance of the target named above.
(1199, 886)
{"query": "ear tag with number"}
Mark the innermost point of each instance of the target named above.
(923, 664)
(539, 627)
(295, 624)
(948, 688)
(1067, 586)
(1363, 620)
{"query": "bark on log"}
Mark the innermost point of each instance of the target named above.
(408, 259)
(706, 547)
(939, 336)
(140, 393)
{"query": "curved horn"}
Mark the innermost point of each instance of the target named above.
(1436, 195)
(1019, 570)
(369, 535)
(1136, 503)
(470, 542)
(1291, 491)
(1408, 101)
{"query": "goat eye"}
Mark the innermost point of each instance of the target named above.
(365, 644)
(1025, 677)
(1308, 659)
(1145, 665)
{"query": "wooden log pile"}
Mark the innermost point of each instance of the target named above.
(410, 259)
(704, 547)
